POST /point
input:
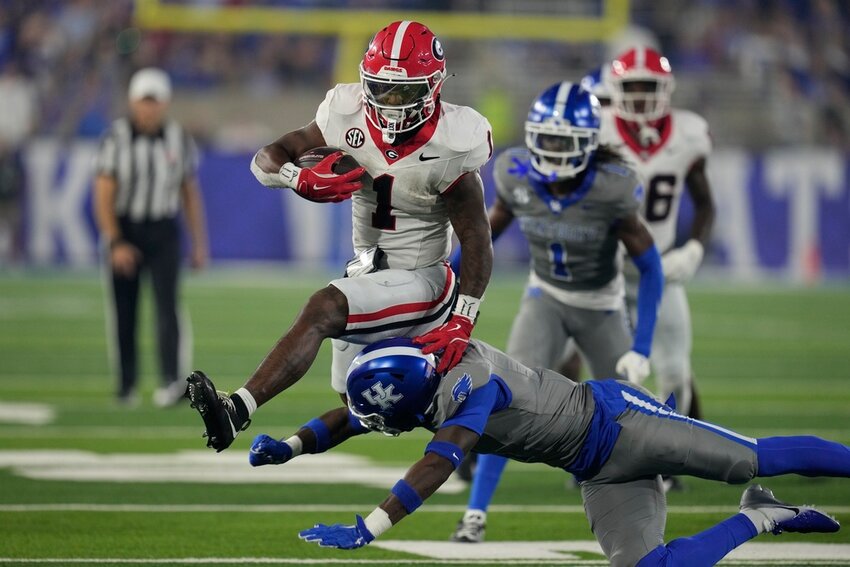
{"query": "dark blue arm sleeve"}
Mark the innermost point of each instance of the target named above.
(649, 296)
(454, 261)
(476, 409)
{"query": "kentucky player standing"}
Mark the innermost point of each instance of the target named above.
(668, 149)
(423, 155)
(575, 203)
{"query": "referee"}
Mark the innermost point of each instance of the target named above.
(145, 173)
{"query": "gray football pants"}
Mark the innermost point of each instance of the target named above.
(625, 502)
(543, 325)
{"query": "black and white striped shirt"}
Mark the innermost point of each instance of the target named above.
(149, 169)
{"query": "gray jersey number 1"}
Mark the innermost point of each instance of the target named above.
(558, 260)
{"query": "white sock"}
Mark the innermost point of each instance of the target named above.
(248, 399)
(765, 519)
(478, 515)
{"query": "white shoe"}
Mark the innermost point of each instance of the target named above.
(470, 529)
(167, 396)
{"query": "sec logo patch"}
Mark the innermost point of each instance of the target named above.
(355, 137)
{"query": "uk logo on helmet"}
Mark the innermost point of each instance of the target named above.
(355, 137)
(377, 395)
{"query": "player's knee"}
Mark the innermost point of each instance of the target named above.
(741, 472)
(639, 558)
(660, 556)
(327, 311)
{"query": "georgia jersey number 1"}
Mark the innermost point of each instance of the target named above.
(383, 218)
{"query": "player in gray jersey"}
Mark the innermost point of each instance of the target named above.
(575, 203)
(611, 434)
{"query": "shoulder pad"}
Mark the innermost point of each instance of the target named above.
(346, 98)
(466, 129)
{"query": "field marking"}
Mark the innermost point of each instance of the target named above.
(291, 561)
(26, 413)
(555, 550)
(205, 467)
(334, 508)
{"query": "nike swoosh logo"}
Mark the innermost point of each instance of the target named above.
(321, 187)
(423, 157)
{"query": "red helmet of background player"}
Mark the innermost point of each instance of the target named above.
(641, 83)
(401, 73)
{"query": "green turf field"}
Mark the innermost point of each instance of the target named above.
(83, 481)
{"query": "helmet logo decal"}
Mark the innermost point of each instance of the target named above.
(462, 389)
(355, 137)
(437, 49)
(521, 196)
(377, 395)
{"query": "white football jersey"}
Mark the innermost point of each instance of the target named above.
(662, 167)
(402, 212)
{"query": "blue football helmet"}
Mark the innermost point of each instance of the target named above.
(596, 83)
(391, 386)
(562, 131)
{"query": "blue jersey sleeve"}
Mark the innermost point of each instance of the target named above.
(476, 409)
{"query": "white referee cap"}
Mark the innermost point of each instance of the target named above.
(150, 82)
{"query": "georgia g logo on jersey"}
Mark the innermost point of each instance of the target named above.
(378, 395)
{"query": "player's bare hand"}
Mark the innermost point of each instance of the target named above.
(199, 257)
(124, 258)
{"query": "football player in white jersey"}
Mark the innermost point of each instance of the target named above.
(424, 156)
(668, 147)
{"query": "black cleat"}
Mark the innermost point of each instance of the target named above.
(216, 409)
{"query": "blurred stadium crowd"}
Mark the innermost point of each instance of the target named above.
(781, 64)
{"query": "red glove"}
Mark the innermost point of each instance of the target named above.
(451, 337)
(319, 183)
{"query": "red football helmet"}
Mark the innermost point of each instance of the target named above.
(402, 73)
(641, 83)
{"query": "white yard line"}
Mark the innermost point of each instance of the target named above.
(333, 508)
(288, 561)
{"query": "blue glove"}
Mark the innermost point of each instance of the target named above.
(268, 451)
(339, 535)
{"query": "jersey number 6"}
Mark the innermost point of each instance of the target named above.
(659, 197)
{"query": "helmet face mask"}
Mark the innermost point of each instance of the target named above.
(401, 74)
(396, 105)
(642, 85)
(562, 131)
(391, 386)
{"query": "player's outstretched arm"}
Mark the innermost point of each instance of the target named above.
(634, 235)
(680, 264)
(315, 436)
(465, 206)
(442, 455)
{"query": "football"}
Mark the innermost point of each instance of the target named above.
(345, 164)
